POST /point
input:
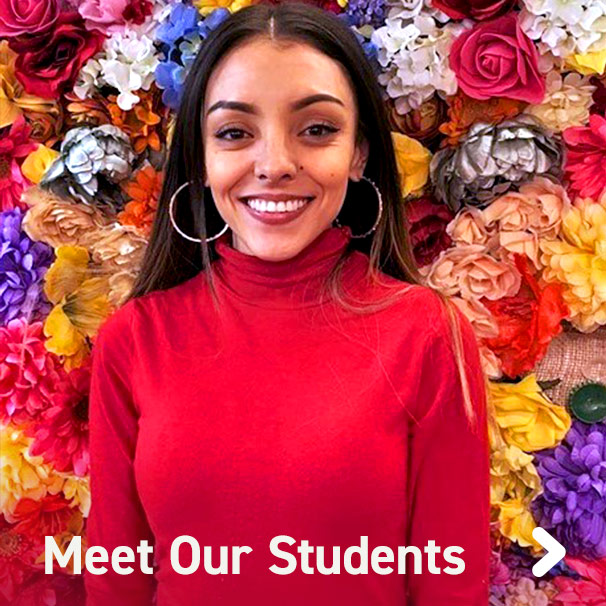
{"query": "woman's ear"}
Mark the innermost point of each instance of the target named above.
(360, 158)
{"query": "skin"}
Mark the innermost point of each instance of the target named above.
(280, 150)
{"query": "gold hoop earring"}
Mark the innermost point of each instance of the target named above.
(174, 224)
(376, 223)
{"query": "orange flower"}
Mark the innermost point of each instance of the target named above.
(144, 192)
(92, 110)
(141, 123)
(48, 516)
(463, 111)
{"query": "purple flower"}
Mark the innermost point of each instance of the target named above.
(366, 12)
(573, 503)
(23, 264)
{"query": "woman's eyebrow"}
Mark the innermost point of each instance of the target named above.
(252, 109)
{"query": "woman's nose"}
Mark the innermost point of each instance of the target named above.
(276, 157)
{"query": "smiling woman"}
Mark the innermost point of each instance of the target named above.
(278, 369)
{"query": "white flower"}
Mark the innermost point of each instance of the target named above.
(565, 27)
(415, 56)
(127, 63)
(566, 103)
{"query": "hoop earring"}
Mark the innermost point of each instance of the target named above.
(172, 219)
(376, 223)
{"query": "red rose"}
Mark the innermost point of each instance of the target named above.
(427, 221)
(48, 65)
(527, 322)
(19, 17)
(474, 9)
(497, 59)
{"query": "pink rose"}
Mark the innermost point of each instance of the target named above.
(19, 17)
(103, 15)
(497, 59)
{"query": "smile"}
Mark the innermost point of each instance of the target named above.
(268, 206)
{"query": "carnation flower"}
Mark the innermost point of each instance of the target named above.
(61, 431)
(15, 145)
(92, 160)
(57, 222)
(563, 27)
(527, 418)
(567, 101)
(490, 159)
(573, 502)
(576, 260)
(22, 476)
(586, 158)
(22, 269)
(414, 55)
(29, 375)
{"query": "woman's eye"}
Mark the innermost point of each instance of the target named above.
(329, 129)
(324, 128)
(222, 134)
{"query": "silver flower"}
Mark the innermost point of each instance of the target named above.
(493, 158)
(92, 161)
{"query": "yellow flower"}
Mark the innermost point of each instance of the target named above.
(21, 475)
(513, 475)
(413, 163)
(526, 417)
(517, 523)
(77, 491)
(577, 259)
(206, 7)
(588, 63)
(80, 305)
(38, 162)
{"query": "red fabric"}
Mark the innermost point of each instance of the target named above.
(284, 416)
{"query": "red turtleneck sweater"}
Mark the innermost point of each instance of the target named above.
(285, 416)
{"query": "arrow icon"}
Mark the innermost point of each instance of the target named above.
(555, 551)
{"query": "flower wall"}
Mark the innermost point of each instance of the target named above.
(497, 110)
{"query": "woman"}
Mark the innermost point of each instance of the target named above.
(266, 378)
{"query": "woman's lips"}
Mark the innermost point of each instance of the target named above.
(277, 218)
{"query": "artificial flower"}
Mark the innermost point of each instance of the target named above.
(516, 523)
(144, 191)
(470, 227)
(208, 6)
(589, 591)
(470, 271)
(564, 28)
(512, 475)
(576, 260)
(23, 476)
(29, 17)
(368, 12)
(490, 159)
(46, 120)
(586, 158)
(92, 111)
(120, 287)
(142, 122)
(496, 59)
(480, 10)
(567, 101)
(117, 248)
(60, 432)
(56, 222)
(48, 65)
(588, 63)
(527, 322)
(413, 163)
(573, 501)
(76, 490)
(413, 54)
(81, 305)
(107, 16)
(481, 320)
(15, 145)
(37, 518)
(38, 162)
(464, 111)
(527, 592)
(24, 264)
(422, 123)
(30, 376)
(527, 418)
(92, 160)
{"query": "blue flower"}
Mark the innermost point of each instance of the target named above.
(182, 20)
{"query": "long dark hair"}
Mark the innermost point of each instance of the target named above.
(171, 260)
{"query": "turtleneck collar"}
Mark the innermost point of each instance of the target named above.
(294, 282)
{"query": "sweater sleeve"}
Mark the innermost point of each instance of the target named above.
(116, 516)
(449, 472)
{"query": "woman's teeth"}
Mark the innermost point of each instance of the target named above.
(267, 206)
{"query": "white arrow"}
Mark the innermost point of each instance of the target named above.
(555, 552)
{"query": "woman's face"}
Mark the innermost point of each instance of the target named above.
(278, 152)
